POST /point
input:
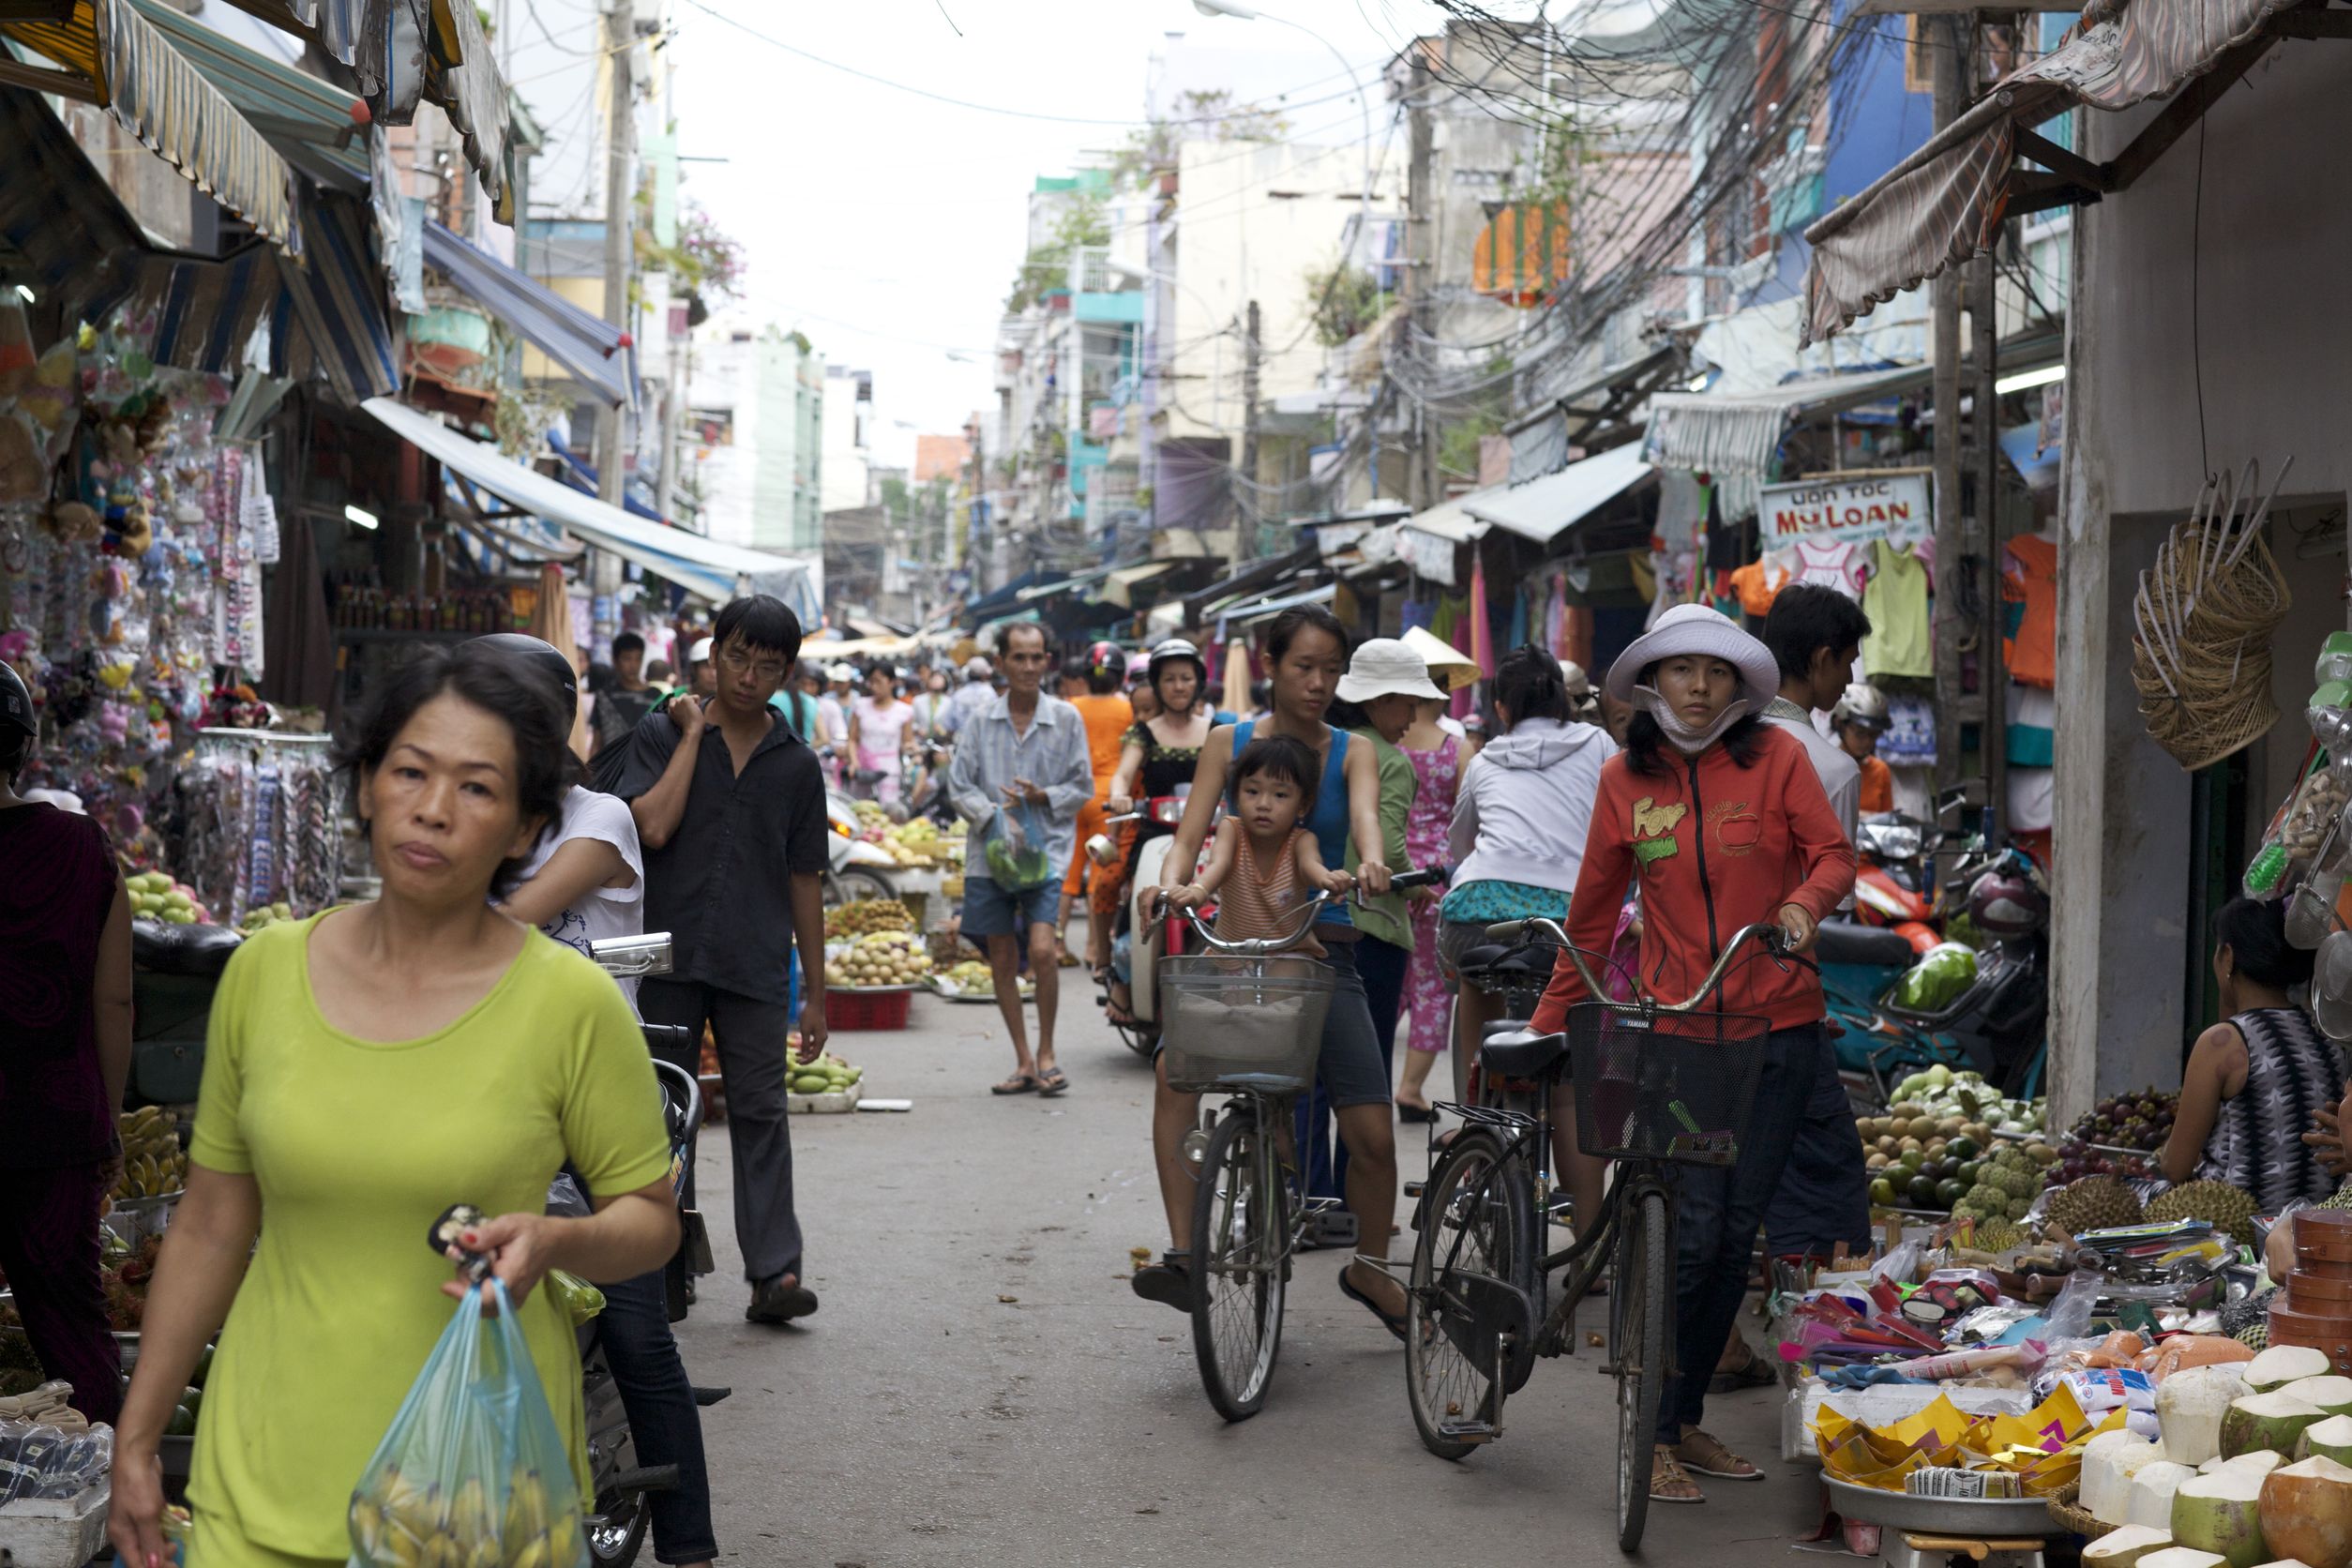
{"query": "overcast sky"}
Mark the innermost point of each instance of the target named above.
(887, 226)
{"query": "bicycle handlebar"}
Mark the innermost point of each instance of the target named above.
(1774, 940)
(1254, 947)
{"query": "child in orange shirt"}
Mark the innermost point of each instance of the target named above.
(1860, 720)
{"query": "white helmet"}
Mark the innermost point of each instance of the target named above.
(1863, 705)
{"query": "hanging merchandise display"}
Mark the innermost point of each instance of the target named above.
(261, 832)
(1901, 643)
(2205, 615)
(2029, 600)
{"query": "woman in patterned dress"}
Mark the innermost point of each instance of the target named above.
(1437, 759)
(2255, 1079)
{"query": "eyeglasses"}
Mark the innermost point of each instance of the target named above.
(739, 663)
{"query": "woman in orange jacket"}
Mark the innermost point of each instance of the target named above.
(1720, 822)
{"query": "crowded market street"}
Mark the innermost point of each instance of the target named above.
(920, 1418)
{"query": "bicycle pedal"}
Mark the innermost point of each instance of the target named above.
(1467, 1431)
(1414, 1189)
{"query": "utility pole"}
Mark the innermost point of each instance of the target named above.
(1984, 533)
(619, 187)
(1953, 77)
(1420, 474)
(1249, 430)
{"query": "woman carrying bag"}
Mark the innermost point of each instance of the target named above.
(1722, 821)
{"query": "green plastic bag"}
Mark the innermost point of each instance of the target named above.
(1938, 980)
(1017, 862)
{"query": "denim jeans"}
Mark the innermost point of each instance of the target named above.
(1716, 1219)
(1823, 1197)
(668, 1428)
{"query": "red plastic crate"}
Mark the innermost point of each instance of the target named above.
(863, 1009)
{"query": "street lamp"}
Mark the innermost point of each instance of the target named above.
(1243, 13)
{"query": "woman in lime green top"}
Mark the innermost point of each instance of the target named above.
(366, 1069)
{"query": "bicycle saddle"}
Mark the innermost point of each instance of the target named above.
(160, 948)
(1521, 960)
(1523, 1055)
(1848, 942)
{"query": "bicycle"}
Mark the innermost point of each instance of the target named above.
(1245, 1019)
(1656, 1086)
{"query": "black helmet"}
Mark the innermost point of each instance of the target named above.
(543, 656)
(1177, 648)
(16, 702)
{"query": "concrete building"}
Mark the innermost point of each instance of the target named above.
(756, 406)
(849, 437)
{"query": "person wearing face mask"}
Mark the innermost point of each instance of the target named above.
(1721, 820)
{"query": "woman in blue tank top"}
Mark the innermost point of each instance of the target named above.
(1308, 648)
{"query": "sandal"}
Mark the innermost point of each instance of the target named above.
(1051, 1082)
(1699, 1451)
(1755, 1372)
(1412, 1113)
(1668, 1481)
(1019, 1083)
(1394, 1322)
(1167, 1282)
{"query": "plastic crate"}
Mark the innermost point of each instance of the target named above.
(62, 1534)
(874, 1007)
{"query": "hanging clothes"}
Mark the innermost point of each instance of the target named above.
(1829, 563)
(1911, 737)
(2032, 726)
(1758, 583)
(1901, 642)
(2030, 598)
(1482, 628)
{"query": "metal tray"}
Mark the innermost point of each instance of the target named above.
(1964, 1516)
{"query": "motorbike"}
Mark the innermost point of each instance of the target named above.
(174, 970)
(854, 868)
(1145, 936)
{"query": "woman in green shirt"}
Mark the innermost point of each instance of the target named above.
(366, 1069)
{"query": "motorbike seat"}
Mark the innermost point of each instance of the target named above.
(1502, 1026)
(161, 948)
(1848, 941)
(1522, 1055)
(1494, 957)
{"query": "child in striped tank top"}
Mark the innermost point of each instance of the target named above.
(1264, 858)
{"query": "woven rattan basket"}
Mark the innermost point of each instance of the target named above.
(2206, 612)
(2066, 1508)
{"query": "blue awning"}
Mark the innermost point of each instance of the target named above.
(587, 346)
(334, 318)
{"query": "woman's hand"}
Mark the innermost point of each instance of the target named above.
(135, 1517)
(2326, 1139)
(1799, 923)
(1337, 884)
(521, 1249)
(1373, 876)
(1119, 804)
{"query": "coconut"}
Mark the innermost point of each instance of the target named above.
(2331, 1394)
(2287, 1563)
(2182, 1556)
(2152, 1491)
(2331, 1438)
(2221, 1513)
(2190, 1403)
(2262, 1462)
(2306, 1512)
(2109, 1462)
(2282, 1365)
(2125, 1547)
(2267, 1421)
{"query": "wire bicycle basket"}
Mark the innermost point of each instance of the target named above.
(1676, 1088)
(1236, 1022)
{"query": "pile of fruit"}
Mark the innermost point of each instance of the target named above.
(880, 959)
(1920, 1160)
(266, 915)
(865, 916)
(2218, 1205)
(153, 896)
(915, 843)
(154, 1163)
(2077, 1160)
(2141, 1120)
(125, 1283)
(397, 1521)
(1939, 1092)
(974, 977)
(827, 1074)
(2092, 1203)
(872, 820)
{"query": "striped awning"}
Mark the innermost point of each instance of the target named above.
(405, 52)
(332, 319)
(317, 127)
(1739, 435)
(1946, 202)
(587, 346)
(58, 214)
(108, 53)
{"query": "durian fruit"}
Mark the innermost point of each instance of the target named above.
(1999, 1235)
(2093, 1203)
(2218, 1205)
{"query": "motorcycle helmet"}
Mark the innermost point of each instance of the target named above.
(2006, 903)
(1138, 669)
(542, 656)
(1104, 658)
(1179, 648)
(16, 702)
(1863, 705)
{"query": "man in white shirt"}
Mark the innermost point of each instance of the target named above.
(1817, 633)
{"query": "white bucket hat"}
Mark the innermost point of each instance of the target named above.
(700, 652)
(1694, 629)
(1384, 666)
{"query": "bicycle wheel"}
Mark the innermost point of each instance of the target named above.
(1477, 1217)
(1638, 1307)
(1241, 1226)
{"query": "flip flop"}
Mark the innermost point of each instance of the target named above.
(1051, 1082)
(1415, 1113)
(1394, 1322)
(1019, 1083)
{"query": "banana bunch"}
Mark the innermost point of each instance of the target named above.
(153, 1161)
(398, 1524)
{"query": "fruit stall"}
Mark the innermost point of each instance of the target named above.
(874, 962)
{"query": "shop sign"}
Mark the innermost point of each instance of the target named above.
(1866, 506)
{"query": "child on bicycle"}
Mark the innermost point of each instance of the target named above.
(1263, 856)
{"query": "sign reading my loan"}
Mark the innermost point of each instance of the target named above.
(1867, 507)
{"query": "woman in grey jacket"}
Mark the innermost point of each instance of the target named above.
(1520, 817)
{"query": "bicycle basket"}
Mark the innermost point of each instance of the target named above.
(1677, 1088)
(1243, 1023)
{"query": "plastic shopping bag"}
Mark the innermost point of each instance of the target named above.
(1016, 853)
(473, 1472)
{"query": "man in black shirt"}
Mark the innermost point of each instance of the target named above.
(731, 814)
(632, 695)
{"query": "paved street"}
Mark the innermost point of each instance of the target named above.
(981, 1386)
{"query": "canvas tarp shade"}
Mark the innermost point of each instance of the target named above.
(1739, 436)
(704, 567)
(405, 52)
(58, 214)
(587, 346)
(108, 53)
(1542, 509)
(1944, 202)
(316, 126)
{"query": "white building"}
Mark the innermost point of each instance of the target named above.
(849, 438)
(756, 420)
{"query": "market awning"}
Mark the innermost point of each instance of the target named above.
(1256, 574)
(108, 53)
(1056, 587)
(587, 346)
(707, 568)
(321, 128)
(1120, 586)
(1741, 435)
(335, 296)
(63, 226)
(407, 51)
(1542, 509)
(1946, 201)
(1258, 609)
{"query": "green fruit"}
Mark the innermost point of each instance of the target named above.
(1971, 1173)
(182, 1425)
(1962, 1147)
(1923, 1193)
(203, 1366)
(810, 1083)
(1912, 1159)
(1949, 1192)
(1882, 1193)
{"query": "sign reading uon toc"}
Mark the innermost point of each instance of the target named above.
(1857, 509)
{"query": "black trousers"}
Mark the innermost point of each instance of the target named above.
(752, 1054)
